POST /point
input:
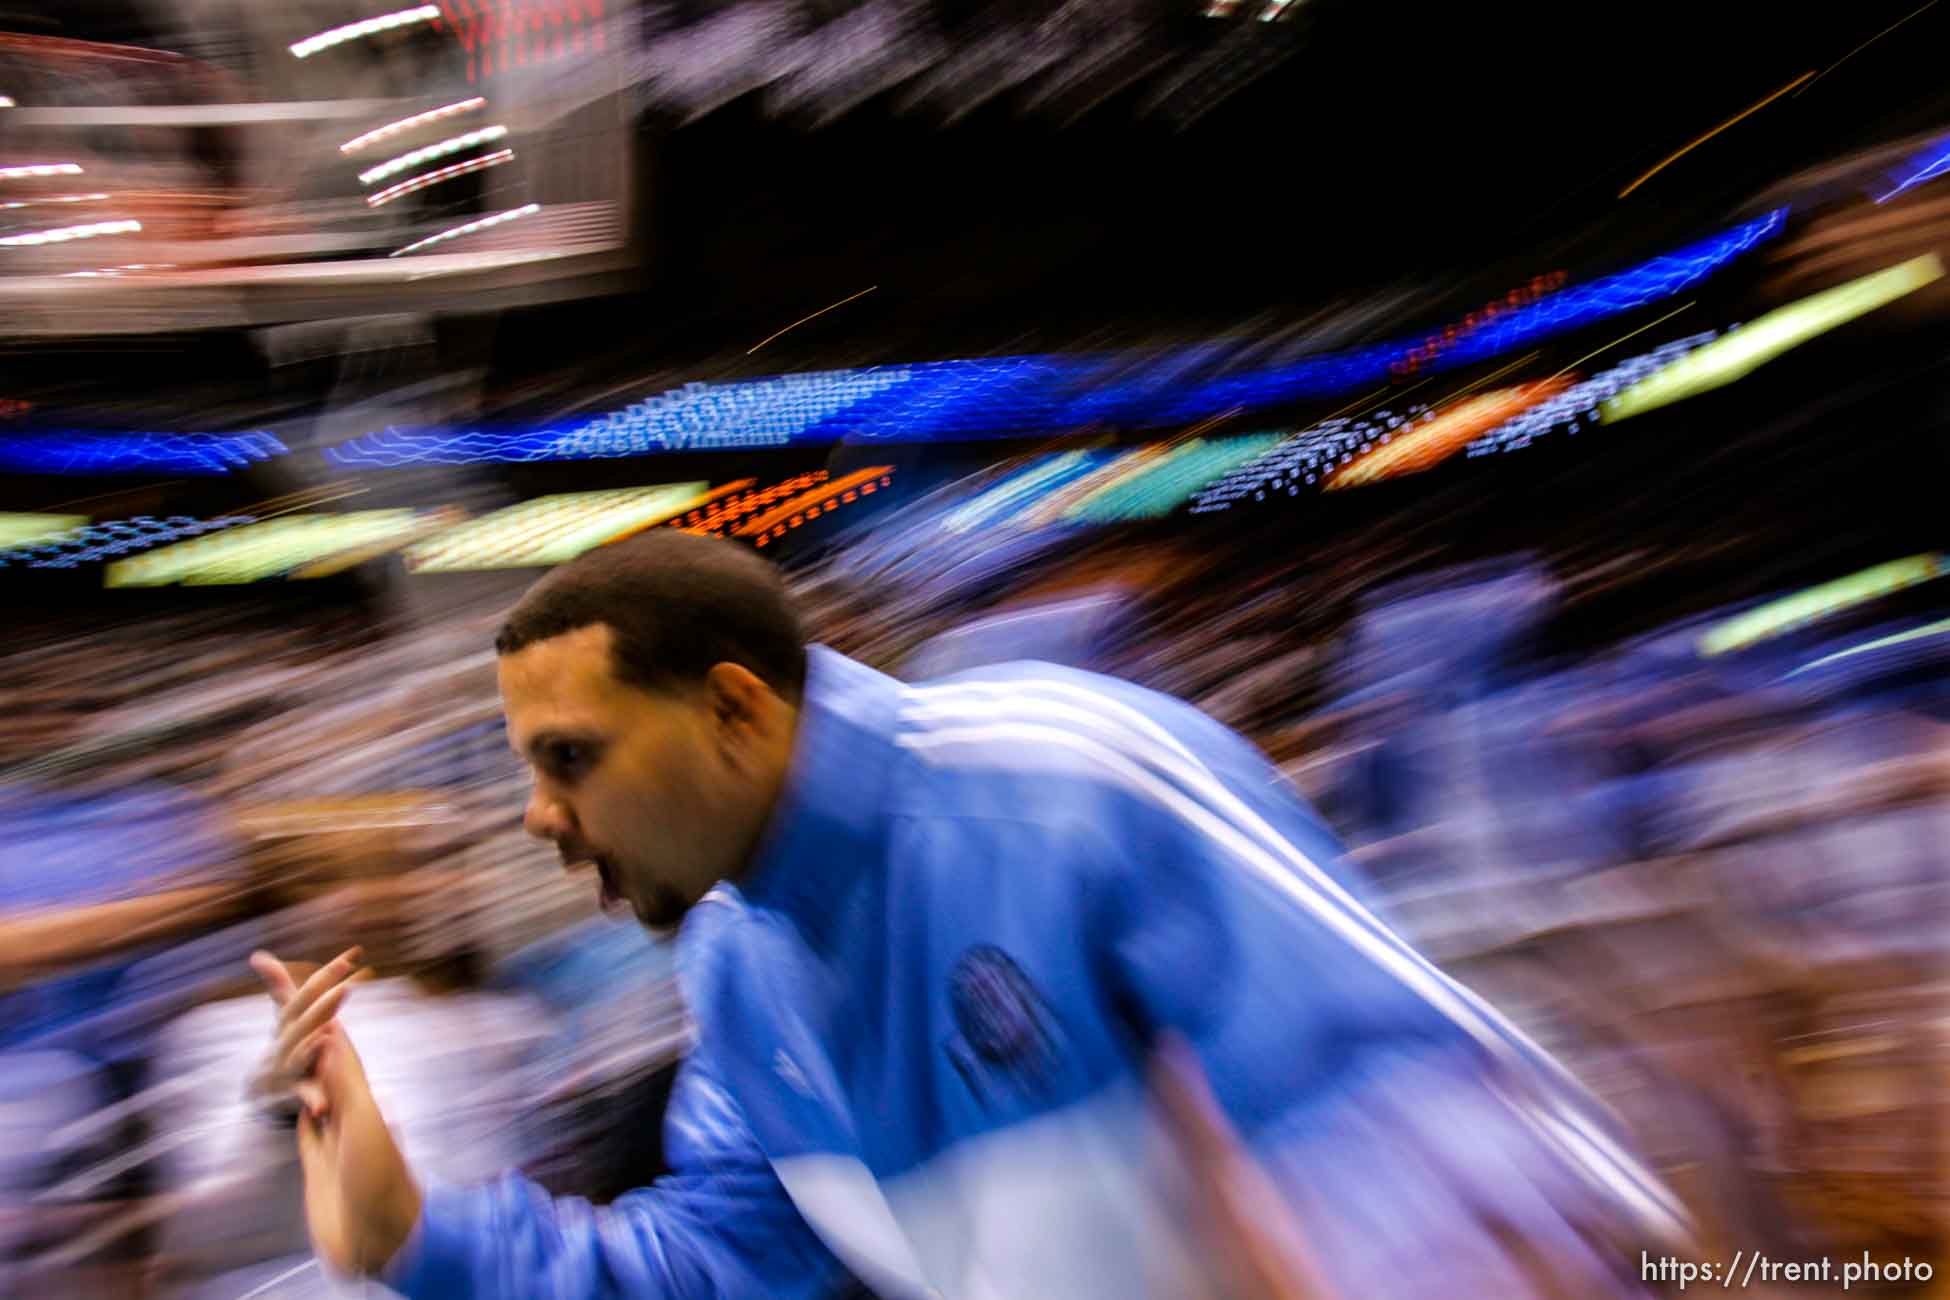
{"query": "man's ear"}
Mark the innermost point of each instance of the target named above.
(742, 705)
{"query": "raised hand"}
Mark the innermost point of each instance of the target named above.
(360, 1199)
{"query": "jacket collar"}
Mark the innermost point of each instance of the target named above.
(829, 825)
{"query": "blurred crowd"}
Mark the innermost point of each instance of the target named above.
(182, 795)
(1701, 859)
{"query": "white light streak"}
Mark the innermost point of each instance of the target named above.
(295, 110)
(413, 158)
(325, 40)
(40, 169)
(471, 227)
(406, 124)
(448, 172)
(110, 272)
(63, 234)
(52, 198)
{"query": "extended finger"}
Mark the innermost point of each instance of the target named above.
(325, 978)
(294, 1034)
(276, 978)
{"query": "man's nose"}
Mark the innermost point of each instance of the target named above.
(545, 818)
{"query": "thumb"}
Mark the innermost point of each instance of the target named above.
(1252, 1226)
(1185, 1101)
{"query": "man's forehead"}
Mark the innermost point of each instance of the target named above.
(563, 681)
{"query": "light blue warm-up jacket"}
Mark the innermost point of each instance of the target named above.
(925, 1015)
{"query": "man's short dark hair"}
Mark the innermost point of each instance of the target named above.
(677, 604)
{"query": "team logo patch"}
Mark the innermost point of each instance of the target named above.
(1004, 1025)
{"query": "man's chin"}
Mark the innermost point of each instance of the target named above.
(662, 914)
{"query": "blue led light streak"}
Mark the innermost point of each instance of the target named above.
(1028, 395)
(127, 453)
(1925, 165)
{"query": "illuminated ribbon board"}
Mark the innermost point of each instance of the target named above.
(553, 529)
(983, 397)
(17, 530)
(768, 527)
(1165, 485)
(436, 521)
(290, 545)
(1790, 613)
(1442, 435)
(136, 453)
(1746, 349)
(1057, 504)
(1132, 467)
(728, 510)
(113, 538)
(1025, 484)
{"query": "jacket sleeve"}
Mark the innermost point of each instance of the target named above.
(1228, 916)
(721, 1227)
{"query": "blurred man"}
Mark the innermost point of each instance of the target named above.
(954, 951)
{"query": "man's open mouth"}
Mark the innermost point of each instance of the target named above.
(606, 875)
(609, 892)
